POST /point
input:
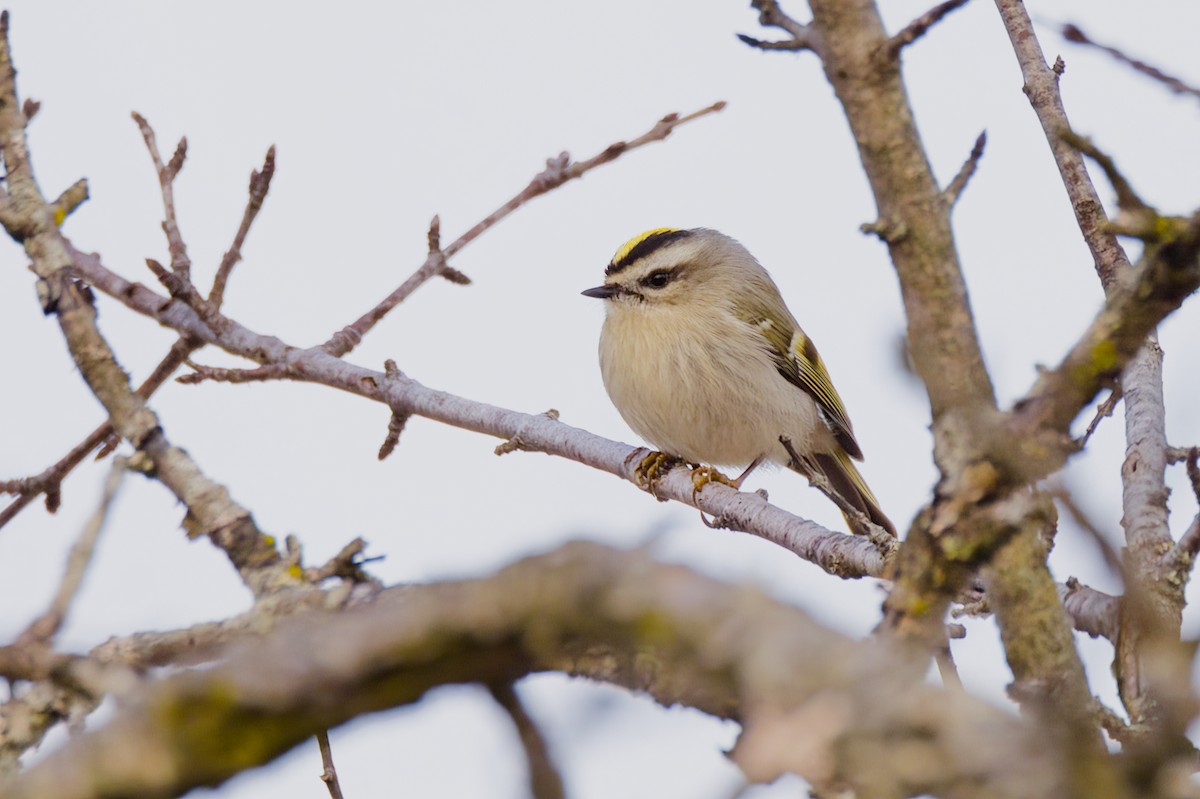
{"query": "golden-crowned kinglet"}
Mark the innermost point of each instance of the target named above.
(703, 359)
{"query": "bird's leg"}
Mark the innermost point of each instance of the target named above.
(742, 477)
(703, 475)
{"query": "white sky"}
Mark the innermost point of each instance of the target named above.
(384, 114)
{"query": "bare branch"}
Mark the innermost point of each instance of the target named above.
(328, 773)
(395, 428)
(43, 629)
(837, 553)
(49, 481)
(921, 25)
(211, 511)
(544, 779)
(790, 45)
(180, 262)
(66, 203)
(260, 184)
(219, 374)
(1183, 554)
(1167, 275)
(1103, 411)
(956, 186)
(1092, 612)
(1112, 558)
(770, 15)
(1041, 86)
(1179, 559)
(345, 565)
(559, 170)
(1072, 33)
(581, 599)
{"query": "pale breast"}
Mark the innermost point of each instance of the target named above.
(703, 389)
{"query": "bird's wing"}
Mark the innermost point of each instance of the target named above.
(798, 361)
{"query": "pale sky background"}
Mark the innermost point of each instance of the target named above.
(385, 114)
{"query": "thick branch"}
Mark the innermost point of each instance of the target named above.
(1167, 275)
(810, 700)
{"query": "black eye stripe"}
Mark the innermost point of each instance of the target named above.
(660, 277)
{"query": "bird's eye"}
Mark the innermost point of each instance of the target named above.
(657, 279)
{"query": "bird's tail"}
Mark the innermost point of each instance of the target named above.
(843, 476)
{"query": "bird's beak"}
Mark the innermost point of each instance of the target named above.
(602, 292)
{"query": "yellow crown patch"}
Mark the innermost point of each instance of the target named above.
(628, 246)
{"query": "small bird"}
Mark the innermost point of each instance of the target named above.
(704, 360)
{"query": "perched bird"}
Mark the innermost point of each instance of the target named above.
(704, 360)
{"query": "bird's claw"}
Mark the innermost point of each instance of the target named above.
(653, 468)
(703, 475)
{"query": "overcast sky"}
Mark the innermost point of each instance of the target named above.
(385, 114)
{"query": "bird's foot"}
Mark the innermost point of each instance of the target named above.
(703, 475)
(653, 468)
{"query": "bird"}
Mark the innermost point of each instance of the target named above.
(703, 360)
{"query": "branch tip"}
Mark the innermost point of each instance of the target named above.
(921, 25)
(966, 172)
(1074, 34)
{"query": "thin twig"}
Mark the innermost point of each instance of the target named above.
(1072, 33)
(559, 170)
(49, 481)
(328, 773)
(220, 374)
(790, 45)
(43, 629)
(395, 428)
(770, 15)
(180, 262)
(1180, 558)
(1111, 557)
(1103, 411)
(1135, 217)
(260, 184)
(1041, 86)
(947, 668)
(921, 25)
(956, 186)
(1193, 471)
(1184, 552)
(345, 565)
(544, 779)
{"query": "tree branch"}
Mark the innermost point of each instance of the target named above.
(544, 779)
(921, 25)
(956, 186)
(31, 221)
(837, 553)
(1072, 33)
(1041, 87)
(50, 480)
(43, 629)
(559, 170)
(786, 678)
